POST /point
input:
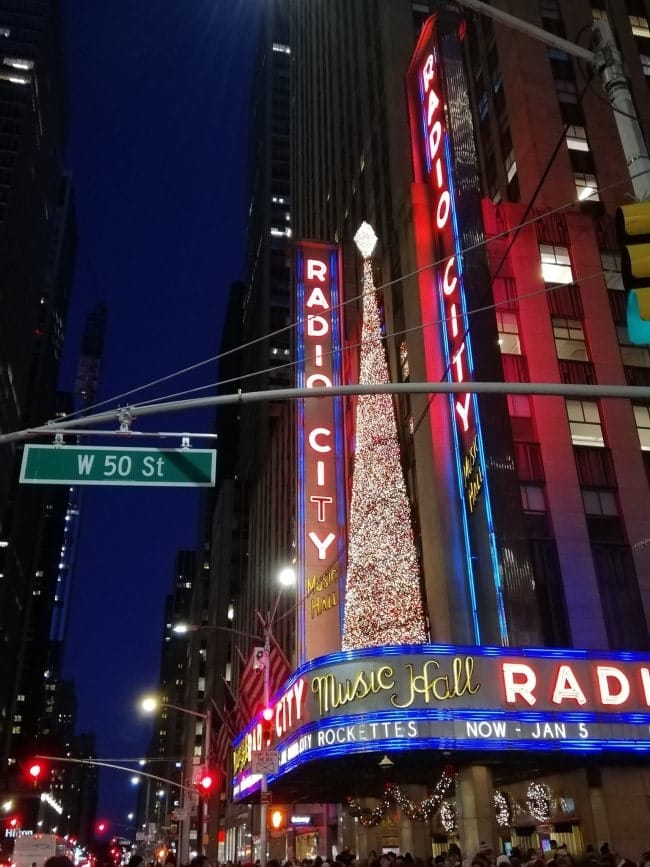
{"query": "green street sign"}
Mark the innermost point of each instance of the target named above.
(103, 465)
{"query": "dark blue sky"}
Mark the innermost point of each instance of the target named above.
(158, 100)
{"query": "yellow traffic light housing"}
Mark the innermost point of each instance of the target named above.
(633, 228)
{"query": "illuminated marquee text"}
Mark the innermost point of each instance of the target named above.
(614, 687)
(321, 532)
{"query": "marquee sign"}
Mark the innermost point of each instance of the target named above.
(445, 697)
(321, 493)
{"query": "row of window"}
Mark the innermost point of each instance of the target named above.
(570, 342)
(585, 425)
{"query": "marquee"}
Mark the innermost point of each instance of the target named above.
(453, 698)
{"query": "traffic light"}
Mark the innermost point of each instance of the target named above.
(208, 781)
(35, 771)
(278, 819)
(101, 827)
(267, 725)
(633, 229)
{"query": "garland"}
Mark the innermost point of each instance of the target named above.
(538, 801)
(421, 812)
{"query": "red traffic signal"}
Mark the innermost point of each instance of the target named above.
(208, 781)
(101, 827)
(35, 770)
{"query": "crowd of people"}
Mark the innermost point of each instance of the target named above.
(555, 856)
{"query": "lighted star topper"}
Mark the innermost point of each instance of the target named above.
(365, 239)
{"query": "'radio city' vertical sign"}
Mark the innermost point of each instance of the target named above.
(440, 127)
(321, 493)
(448, 275)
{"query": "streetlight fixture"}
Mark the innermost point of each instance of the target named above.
(286, 578)
(151, 703)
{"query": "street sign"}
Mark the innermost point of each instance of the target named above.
(265, 762)
(103, 465)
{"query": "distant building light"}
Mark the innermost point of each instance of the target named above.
(282, 49)
(18, 63)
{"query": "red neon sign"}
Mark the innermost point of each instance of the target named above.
(447, 277)
(320, 526)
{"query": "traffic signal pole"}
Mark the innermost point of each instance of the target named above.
(264, 788)
(605, 59)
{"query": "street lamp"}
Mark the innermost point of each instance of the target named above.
(286, 578)
(151, 703)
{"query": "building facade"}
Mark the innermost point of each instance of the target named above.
(490, 168)
(37, 247)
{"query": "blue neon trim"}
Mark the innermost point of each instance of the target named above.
(300, 445)
(469, 564)
(341, 515)
(496, 575)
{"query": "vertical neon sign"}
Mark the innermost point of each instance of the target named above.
(439, 240)
(321, 492)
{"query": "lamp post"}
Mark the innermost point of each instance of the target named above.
(149, 704)
(286, 577)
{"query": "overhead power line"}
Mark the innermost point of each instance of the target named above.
(288, 328)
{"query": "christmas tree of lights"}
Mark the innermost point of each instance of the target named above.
(383, 601)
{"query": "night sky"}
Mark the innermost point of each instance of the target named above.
(158, 102)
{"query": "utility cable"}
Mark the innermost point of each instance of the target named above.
(293, 325)
(515, 234)
(402, 332)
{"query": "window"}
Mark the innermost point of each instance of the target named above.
(510, 165)
(576, 138)
(521, 417)
(569, 339)
(586, 187)
(532, 498)
(519, 406)
(18, 63)
(645, 64)
(566, 90)
(556, 264)
(631, 353)
(599, 502)
(639, 26)
(642, 417)
(584, 423)
(508, 328)
(611, 264)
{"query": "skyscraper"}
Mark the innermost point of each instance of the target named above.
(37, 241)
(490, 168)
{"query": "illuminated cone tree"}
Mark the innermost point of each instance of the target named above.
(383, 601)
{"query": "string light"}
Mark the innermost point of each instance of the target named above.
(383, 603)
(503, 809)
(538, 801)
(448, 817)
(421, 812)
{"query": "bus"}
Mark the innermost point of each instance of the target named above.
(33, 850)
